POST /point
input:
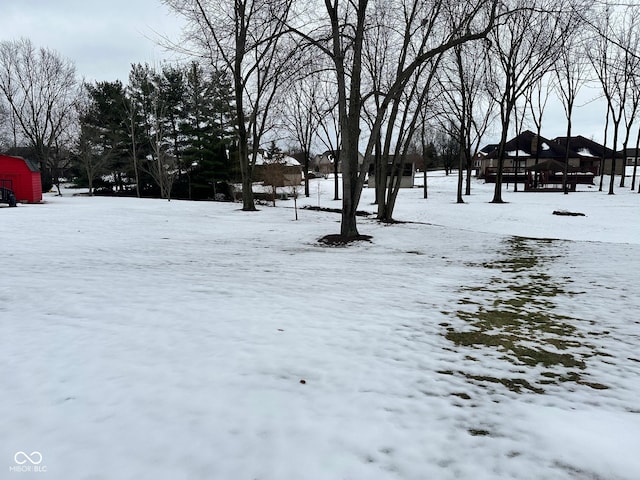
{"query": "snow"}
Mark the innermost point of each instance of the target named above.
(585, 152)
(518, 153)
(284, 159)
(168, 340)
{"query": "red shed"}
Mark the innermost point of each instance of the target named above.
(23, 177)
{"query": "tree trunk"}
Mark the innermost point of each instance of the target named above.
(349, 156)
(336, 185)
(424, 187)
(613, 160)
(349, 107)
(497, 192)
(565, 186)
(248, 204)
(624, 161)
(635, 163)
(306, 174)
(459, 198)
(601, 169)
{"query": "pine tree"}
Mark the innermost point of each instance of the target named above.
(206, 132)
(103, 136)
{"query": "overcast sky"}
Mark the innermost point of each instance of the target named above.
(104, 38)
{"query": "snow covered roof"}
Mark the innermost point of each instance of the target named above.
(585, 147)
(518, 153)
(526, 144)
(286, 159)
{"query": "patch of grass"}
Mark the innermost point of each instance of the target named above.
(513, 384)
(463, 396)
(595, 386)
(514, 314)
(531, 357)
(474, 338)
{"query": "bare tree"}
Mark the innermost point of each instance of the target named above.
(131, 108)
(162, 166)
(401, 130)
(300, 108)
(428, 34)
(635, 159)
(427, 149)
(7, 130)
(244, 37)
(614, 66)
(536, 103)
(524, 48)
(635, 162)
(92, 157)
(295, 193)
(38, 88)
(632, 64)
(467, 107)
(328, 132)
(386, 55)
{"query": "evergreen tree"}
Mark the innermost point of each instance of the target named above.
(140, 92)
(103, 135)
(206, 132)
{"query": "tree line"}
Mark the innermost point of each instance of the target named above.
(371, 81)
(168, 131)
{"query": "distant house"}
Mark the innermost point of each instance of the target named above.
(478, 158)
(289, 170)
(590, 154)
(528, 149)
(631, 155)
(326, 162)
(22, 176)
(521, 151)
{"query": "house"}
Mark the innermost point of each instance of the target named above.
(325, 163)
(590, 155)
(281, 169)
(22, 177)
(631, 154)
(521, 151)
(529, 149)
(478, 158)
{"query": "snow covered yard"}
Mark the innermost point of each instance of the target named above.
(170, 340)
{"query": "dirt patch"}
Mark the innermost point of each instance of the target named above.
(359, 213)
(338, 240)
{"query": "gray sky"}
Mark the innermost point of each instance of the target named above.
(103, 38)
